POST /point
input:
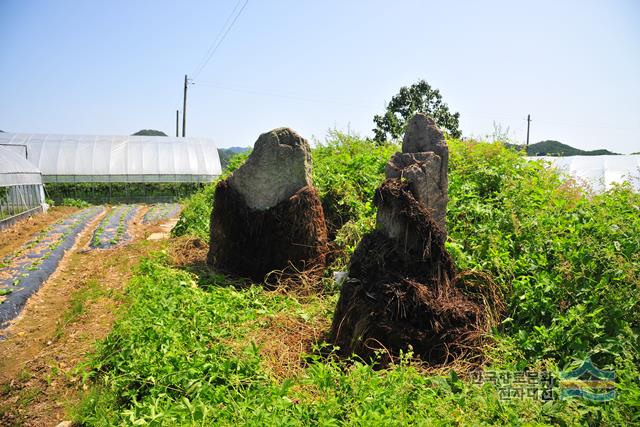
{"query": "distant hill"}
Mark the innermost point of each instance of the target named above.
(227, 153)
(556, 148)
(149, 132)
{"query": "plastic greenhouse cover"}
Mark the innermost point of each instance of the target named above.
(90, 158)
(15, 169)
(599, 172)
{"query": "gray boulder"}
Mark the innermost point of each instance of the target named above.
(423, 134)
(424, 163)
(278, 167)
(423, 172)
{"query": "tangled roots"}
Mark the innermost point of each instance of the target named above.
(404, 292)
(291, 236)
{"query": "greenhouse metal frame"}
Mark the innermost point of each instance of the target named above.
(21, 189)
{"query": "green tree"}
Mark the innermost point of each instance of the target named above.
(419, 97)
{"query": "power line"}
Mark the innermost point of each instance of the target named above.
(215, 45)
(226, 22)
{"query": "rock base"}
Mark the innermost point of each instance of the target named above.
(401, 290)
(252, 243)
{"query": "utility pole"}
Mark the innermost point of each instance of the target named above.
(177, 123)
(184, 107)
(528, 124)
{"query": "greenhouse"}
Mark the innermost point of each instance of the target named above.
(21, 191)
(119, 168)
(599, 172)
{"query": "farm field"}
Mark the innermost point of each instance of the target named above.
(62, 320)
(27, 269)
(151, 335)
(112, 230)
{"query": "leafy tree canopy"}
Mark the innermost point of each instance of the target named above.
(419, 97)
(149, 132)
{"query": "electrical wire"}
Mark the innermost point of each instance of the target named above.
(219, 39)
(215, 40)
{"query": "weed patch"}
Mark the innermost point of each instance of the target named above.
(190, 350)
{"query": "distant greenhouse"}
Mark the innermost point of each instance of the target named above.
(21, 191)
(119, 168)
(88, 158)
(599, 172)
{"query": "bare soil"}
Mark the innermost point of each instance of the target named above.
(40, 378)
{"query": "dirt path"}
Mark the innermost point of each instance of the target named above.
(60, 325)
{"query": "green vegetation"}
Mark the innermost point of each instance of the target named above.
(346, 172)
(227, 153)
(555, 148)
(120, 192)
(190, 350)
(149, 132)
(194, 219)
(67, 201)
(419, 97)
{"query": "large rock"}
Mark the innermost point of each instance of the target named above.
(424, 164)
(267, 216)
(423, 134)
(402, 293)
(423, 172)
(278, 167)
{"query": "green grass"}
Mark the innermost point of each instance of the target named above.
(182, 355)
(188, 351)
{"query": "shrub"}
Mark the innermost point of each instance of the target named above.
(194, 219)
(74, 203)
(567, 261)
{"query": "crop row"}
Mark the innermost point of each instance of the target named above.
(113, 229)
(161, 212)
(25, 271)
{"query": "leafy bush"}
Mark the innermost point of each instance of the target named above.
(346, 171)
(194, 219)
(568, 263)
(184, 356)
(75, 203)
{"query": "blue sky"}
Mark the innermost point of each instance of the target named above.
(114, 67)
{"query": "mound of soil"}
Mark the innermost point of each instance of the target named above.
(291, 235)
(402, 292)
